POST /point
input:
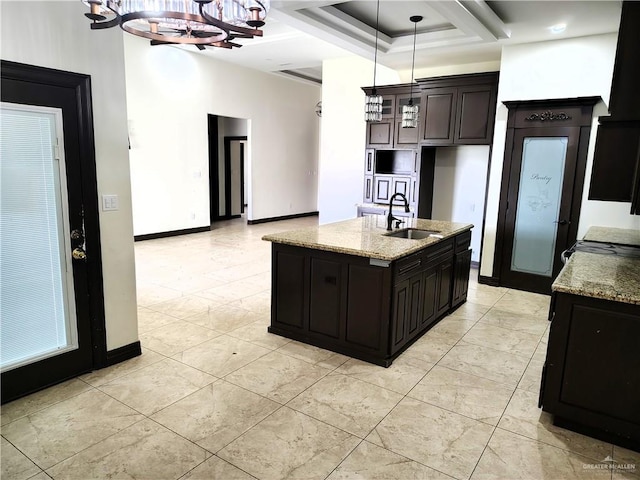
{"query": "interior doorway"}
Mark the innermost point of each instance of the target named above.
(228, 169)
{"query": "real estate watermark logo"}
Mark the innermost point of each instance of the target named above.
(610, 464)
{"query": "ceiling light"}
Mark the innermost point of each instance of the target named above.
(558, 28)
(197, 22)
(410, 111)
(373, 102)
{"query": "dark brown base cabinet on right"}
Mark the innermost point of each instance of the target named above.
(591, 377)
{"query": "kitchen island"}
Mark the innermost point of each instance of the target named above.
(591, 376)
(350, 288)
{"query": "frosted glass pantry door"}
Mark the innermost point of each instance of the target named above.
(538, 207)
(37, 308)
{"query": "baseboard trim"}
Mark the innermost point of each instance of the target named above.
(284, 217)
(172, 233)
(492, 281)
(475, 265)
(123, 353)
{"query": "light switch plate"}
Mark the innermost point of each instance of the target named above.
(109, 203)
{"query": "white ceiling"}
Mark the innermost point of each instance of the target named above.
(300, 34)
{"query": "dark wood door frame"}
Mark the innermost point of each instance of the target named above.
(227, 175)
(214, 175)
(37, 83)
(543, 114)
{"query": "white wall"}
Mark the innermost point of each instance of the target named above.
(427, 72)
(559, 69)
(57, 35)
(459, 188)
(170, 92)
(342, 142)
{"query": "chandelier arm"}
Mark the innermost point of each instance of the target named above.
(227, 27)
(127, 17)
(114, 22)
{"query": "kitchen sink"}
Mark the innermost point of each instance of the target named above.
(414, 234)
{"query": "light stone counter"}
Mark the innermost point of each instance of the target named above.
(609, 277)
(364, 237)
(621, 236)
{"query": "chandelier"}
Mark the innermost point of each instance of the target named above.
(215, 23)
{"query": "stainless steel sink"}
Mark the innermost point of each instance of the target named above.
(414, 234)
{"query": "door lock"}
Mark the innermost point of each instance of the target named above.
(561, 222)
(78, 253)
(77, 235)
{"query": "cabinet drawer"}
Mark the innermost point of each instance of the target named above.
(436, 253)
(463, 241)
(405, 267)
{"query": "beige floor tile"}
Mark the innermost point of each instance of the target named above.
(289, 445)
(257, 333)
(195, 283)
(106, 375)
(470, 311)
(224, 318)
(451, 328)
(484, 296)
(145, 450)
(41, 476)
(215, 415)
(401, 376)
(40, 400)
(232, 291)
(277, 376)
(627, 464)
(503, 339)
(430, 348)
(468, 395)
(176, 337)
(149, 320)
(313, 355)
(532, 377)
(534, 324)
(215, 468)
(526, 303)
(442, 440)
(151, 294)
(510, 456)
(259, 303)
(62, 430)
(222, 355)
(152, 388)
(501, 367)
(370, 462)
(187, 306)
(523, 417)
(347, 403)
(14, 465)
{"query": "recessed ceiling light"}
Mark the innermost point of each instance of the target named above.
(558, 28)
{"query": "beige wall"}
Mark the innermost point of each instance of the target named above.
(170, 92)
(57, 35)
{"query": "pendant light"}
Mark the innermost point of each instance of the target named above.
(373, 102)
(410, 111)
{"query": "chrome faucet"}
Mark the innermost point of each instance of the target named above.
(390, 217)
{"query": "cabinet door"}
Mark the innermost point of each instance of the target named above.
(383, 188)
(429, 296)
(380, 134)
(438, 119)
(402, 185)
(475, 105)
(444, 287)
(325, 297)
(290, 290)
(462, 264)
(388, 106)
(368, 189)
(407, 137)
(401, 294)
(414, 306)
(369, 157)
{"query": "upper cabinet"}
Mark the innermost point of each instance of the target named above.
(459, 109)
(616, 162)
(388, 133)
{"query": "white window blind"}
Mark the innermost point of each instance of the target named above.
(35, 313)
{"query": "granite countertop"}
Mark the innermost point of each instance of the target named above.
(620, 236)
(364, 237)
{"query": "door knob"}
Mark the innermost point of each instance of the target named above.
(79, 254)
(561, 222)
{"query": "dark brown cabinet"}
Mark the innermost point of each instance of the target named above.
(616, 162)
(590, 380)
(359, 307)
(458, 110)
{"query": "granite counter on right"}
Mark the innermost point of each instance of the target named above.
(591, 376)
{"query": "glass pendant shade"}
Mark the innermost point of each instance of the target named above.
(373, 108)
(410, 116)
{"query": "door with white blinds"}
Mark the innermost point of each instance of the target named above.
(51, 300)
(37, 309)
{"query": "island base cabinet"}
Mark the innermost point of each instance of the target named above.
(591, 377)
(369, 310)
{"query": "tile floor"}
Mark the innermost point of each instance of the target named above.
(214, 396)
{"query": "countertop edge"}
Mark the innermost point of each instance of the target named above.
(595, 294)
